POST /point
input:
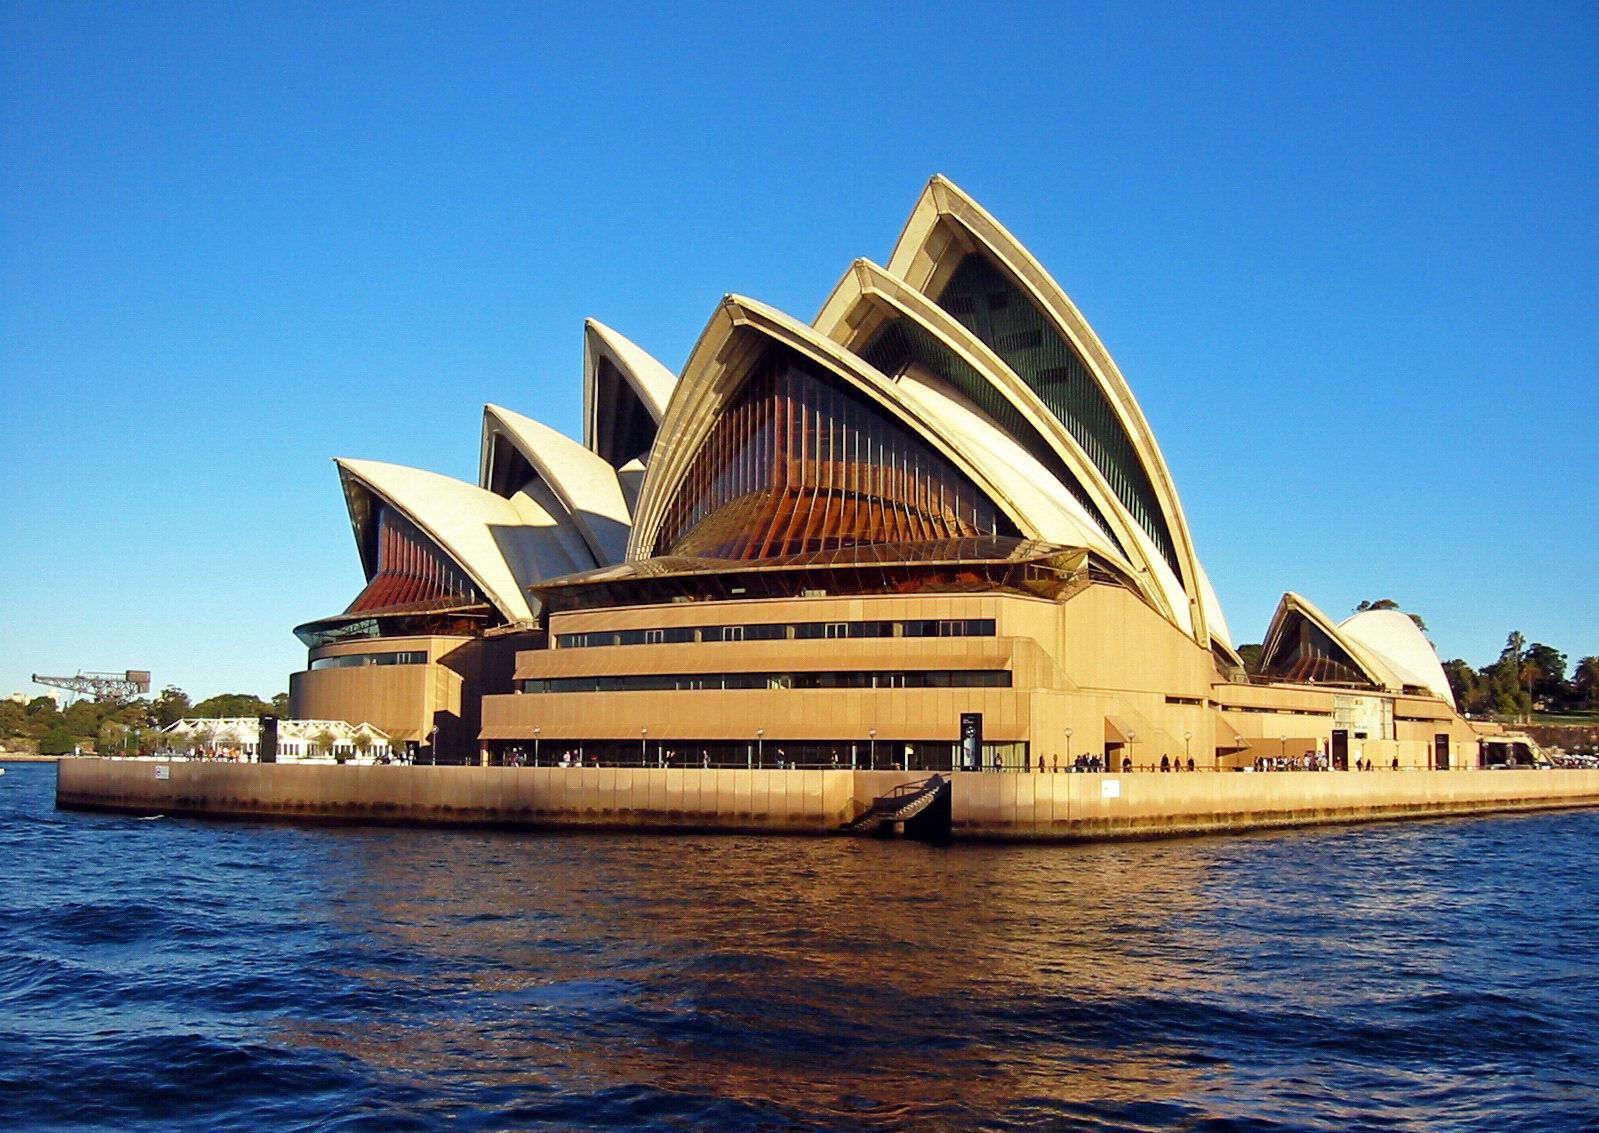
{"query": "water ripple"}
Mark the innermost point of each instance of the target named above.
(192, 976)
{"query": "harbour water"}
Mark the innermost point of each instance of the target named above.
(191, 975)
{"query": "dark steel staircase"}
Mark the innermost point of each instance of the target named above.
(904, 803)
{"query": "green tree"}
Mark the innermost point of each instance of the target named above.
(13, 719)
(111, 739)
(170, 706)
(280, 705)
(1585, 681)
(322, 741)
(57, 741)
(1463, 682)
(1547, 677)
(1506, 677)
(84, 717)
(1251, 655)
(1390, 604)
(230, 704)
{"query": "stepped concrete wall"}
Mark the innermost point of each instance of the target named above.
(983, 805)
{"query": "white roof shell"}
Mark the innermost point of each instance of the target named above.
(586, 487)
(719, 358)
(946, 223)
(503, 545)
(648, 380)
(1391, 637)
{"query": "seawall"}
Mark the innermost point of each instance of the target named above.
(1051, 807)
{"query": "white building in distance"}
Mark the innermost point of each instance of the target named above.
(302, 741)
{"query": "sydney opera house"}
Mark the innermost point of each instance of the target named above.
(935, 507)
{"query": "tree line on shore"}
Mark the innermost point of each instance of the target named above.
(1528, 677)
(117, 726)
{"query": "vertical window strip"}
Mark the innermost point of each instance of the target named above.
(840, 472)
(1030, 345)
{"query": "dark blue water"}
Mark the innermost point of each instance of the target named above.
(166, 974)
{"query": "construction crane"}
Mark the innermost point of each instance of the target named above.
(102, 686)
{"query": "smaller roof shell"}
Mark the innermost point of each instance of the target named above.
(584, 484)
(722, 355)
(645, 378)
(1392, 637)
(503, 545)
(1296, 606)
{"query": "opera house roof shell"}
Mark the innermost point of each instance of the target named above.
(952, 403)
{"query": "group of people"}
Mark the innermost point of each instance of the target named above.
(1311, 761)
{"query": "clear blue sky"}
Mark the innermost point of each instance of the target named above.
(1348, 259)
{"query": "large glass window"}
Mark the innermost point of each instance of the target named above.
(361, 660)
(993, 308)
(799, 463)
(901, 342)
(779, 631)
(1303, 654)
(411, 570)
(656, 682)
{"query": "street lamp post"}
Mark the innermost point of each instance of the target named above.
(644, 746)
(1068, 748)
(1187, 754)
(760, 747)
(536, 746)
(872, 733)
(1131, 738)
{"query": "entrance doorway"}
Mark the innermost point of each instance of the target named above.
(1440, 751)
(1340, 749)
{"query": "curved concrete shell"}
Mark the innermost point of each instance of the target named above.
(625, 394)
(502, 545)
(585, 489)
(740, 332)
(901, 331)
(954, 252)
(1394, 639)
(1304, 645)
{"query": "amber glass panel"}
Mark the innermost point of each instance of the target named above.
(1305, 655)
(798, 462)
(410, 569)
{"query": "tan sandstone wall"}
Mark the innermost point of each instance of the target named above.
(1143, 805)
(984, 805)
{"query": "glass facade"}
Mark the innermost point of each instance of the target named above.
(902, 342)
(411, 571)
(700, 682)
(361, 660)
(798, 462)
(1303, 654)
(778, 631)
(509, 470)
(881, 754)
(623, 427)
(992, 307)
